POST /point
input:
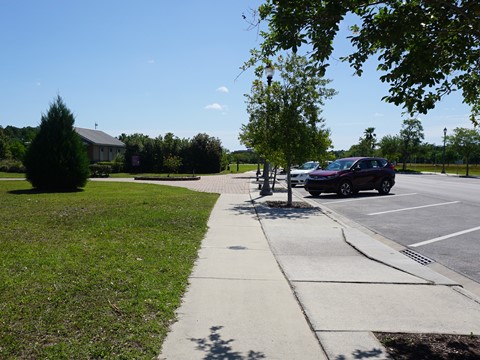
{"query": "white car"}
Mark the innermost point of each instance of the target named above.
(299, 175)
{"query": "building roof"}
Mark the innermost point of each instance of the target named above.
(98, 137)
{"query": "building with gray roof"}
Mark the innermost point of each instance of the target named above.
(100, 146)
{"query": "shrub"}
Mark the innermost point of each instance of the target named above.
(100, 170)
(56, 159)
(12, 166)
(115, 166)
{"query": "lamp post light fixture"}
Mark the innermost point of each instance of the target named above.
(443, 159)
(269, 72)
(266, 190)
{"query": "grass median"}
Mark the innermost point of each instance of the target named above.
(96, 273)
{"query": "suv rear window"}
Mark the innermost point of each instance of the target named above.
(383, 162)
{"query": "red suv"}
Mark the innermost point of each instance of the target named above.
(350, 175)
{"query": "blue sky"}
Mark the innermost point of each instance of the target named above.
(152, 67)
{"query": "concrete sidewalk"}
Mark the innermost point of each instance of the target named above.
(274, 283)
(239, 305)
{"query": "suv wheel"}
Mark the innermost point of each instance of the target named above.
(345, 189)
(385, 187)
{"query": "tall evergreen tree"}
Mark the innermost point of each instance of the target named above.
(56, 159)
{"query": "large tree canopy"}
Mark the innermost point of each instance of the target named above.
(426, 48)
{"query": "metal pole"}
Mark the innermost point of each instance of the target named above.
(266, 190)
(443, 160)
(258, 167)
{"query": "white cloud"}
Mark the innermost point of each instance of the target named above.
(151, 61)
(223, 89)
(215, 106)
(377, 114)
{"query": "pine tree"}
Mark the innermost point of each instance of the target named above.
(56, 159)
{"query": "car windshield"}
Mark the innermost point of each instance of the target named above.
(308, 166)
(340, 165)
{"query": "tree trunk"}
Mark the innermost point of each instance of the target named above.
(289, 188)
(274, 177)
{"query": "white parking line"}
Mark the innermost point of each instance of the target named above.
(444, 237)
(413, 208)
(369, 198)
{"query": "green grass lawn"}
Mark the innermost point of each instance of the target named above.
(233, 170)
(95, 274)
(241, 168)
(8, 175)
(461, 169)
(132, 175)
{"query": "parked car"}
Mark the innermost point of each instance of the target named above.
(299, 175)
(350, 175)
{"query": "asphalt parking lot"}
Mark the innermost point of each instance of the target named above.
(434, 216)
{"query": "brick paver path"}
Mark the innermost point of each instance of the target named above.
(221, 184)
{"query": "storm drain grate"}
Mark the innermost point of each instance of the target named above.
(417, 257)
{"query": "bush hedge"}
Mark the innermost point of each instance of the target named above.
(12, 166)
(100, 170)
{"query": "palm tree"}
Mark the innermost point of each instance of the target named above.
(370, 138)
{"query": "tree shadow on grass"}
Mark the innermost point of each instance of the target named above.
(34, 191)
(217, 348)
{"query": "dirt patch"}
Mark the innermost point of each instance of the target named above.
(431, 346)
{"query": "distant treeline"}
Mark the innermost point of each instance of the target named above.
(14, 141)
(163, 154)
(170, 154)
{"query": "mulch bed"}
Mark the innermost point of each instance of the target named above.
(431, 346)
(283, 205)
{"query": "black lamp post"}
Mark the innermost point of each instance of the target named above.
(444, 139)
(269, 71)
(258, 167)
